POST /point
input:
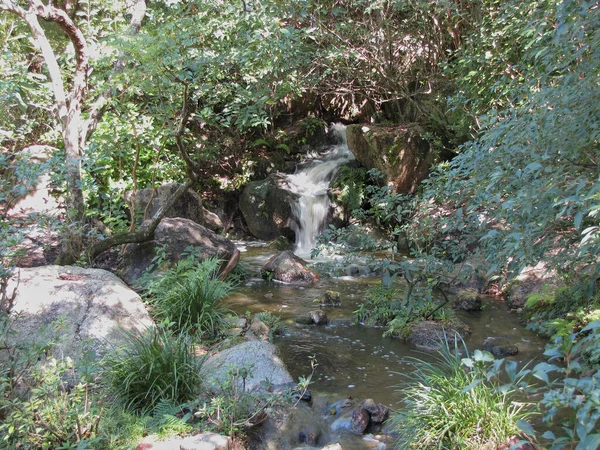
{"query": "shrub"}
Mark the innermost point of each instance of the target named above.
(457, 402)
(45, 402)
(153, 366)
(188, 296)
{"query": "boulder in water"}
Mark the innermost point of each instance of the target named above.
(288, 268)
(259, 358)
(175, 234)
(431, 335)
(318, 317)
(500, 347)
(468, 300)
(267, 208)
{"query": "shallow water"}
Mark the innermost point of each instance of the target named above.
(354, 360)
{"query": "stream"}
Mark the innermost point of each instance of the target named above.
(354, 361)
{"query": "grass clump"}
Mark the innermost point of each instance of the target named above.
(456, 402)
(188, 297)
(152, 367)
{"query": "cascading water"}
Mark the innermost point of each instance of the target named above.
(311, 182)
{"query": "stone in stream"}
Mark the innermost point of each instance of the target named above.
(360, 420)
(377, 412)
(288, 268)
(317, 317)
(331, 298)
(468, 300)
(500, 347)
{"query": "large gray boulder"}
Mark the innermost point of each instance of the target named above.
(145, 203)
(288, 268)
(258, 357)
(91, 306)
(267, 208)
(175, 235)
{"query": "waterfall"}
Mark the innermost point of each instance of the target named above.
(311, 182)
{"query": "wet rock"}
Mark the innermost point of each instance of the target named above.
(360, 421)
(331, 298)
(309, 434)
(260, 329)
(175, 235)
(146, 203)
(430, 335)
(337, 408)
(468, 300)
(377, 412)
(267, 208)
(289, 268)
(319, 317)
(500, 347)
(530, 281)
(333, 447)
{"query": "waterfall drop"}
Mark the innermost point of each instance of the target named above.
(311, 182)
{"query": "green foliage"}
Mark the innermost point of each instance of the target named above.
(350, 184)
(151, 367)
(527, 186)
(570, 389)
(188, 296)
(234, 409)
(469, 402)
(45, 402)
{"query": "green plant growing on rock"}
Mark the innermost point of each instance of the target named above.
(276, 327)
(151, 367)
(466, 402)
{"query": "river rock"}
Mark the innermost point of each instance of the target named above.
(267, 208)
(431, 335)
(260, 357)
(176, 235)
(319, 317)
(468, 300)
(332, 299)
(531, 280)
(360, 421)
(500, 347)
(399, 152)
(377, 411)
(92, 305)
(289, 268)
(259, 329)
(204, 441)
(146, 202)
(470, 275)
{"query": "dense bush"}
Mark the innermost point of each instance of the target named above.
(461, 402)
(151, 367)
(188, 297)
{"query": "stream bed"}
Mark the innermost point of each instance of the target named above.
(354, 360)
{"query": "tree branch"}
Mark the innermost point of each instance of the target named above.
(99, 105)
